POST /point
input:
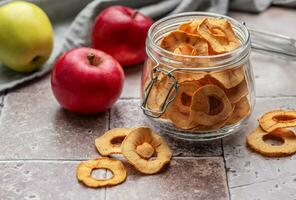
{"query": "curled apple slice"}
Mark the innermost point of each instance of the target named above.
(241, 110)
(138, 137)
(278, 119)
(219, 34)
(85, 168)
(220, 106)
(184, 96)
(229, 78)
(174, 39)
(256, 141)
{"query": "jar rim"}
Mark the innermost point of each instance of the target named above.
(245, 45)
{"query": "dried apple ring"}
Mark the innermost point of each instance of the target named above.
(184, 96)
(236, 93)
(176, 38)
(107, 143)
(191, 26)
(180, 120)
(199, 112)
(278, 119)
(84, 171)
(145, 135)
(186, 76)
(256, 142)
(185, 49)
(229, 78)
(211, 29)
(241, 110)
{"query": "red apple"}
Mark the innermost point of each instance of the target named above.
(86, 80)
(121, 32)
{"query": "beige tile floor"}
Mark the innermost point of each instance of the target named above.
(41, 144)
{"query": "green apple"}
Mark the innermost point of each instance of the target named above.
(26, 36)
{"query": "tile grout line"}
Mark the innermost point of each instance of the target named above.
(108, 128)
(225, 169)
(84, 159)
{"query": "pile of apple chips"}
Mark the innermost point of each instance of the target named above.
(204, 100)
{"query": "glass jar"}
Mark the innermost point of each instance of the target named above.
(225, 84)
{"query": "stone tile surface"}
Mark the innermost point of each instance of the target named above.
(127, 113)
(281, 188)
(33, 125)
(44, 180)
(199, 178)
(249, 172)
(35, 86)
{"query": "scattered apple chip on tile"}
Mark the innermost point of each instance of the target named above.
(139, 147)
(274, 125)
(138, 137)
(85, 168)
(278, 119)
(109, 143)
(256, 141)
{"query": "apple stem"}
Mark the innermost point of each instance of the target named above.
(134, 14)
(92, 59)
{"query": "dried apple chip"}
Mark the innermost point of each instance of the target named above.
(180, 120)
(199, 112)
(138, 137)
(189, 76)
(229, 78)
(241, 110)
(211, 30)
(107, 144)
(185, 49)
(256, 141)
(184, 95)
(278, 119)
(191, 26)
(84, 172)
(176, 38)
(236, 93)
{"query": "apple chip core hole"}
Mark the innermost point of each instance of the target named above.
(100, 174)
(284, 118)
(216, 105)
(273, 140)
(117, 141)
(185, 99)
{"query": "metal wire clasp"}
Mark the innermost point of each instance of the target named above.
(170, 97)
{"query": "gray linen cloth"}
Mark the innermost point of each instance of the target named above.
(72, 21)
